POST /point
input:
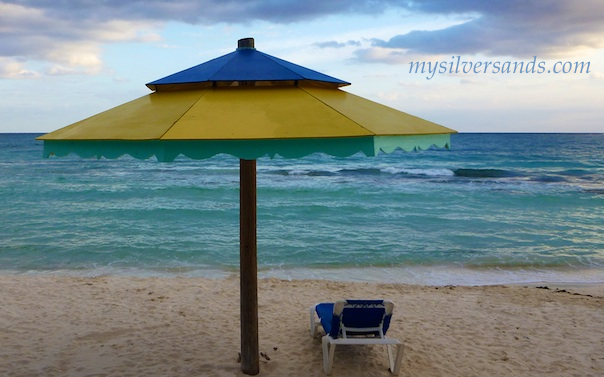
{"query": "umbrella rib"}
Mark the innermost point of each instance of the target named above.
(213, 77)
(301, 75)
(338, 111)
(183, 114)
(277, 61)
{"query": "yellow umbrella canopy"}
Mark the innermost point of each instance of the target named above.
(248, 104)
(247, 122)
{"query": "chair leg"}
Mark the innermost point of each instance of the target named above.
(313, 329)
(329, 351)
(395, 363)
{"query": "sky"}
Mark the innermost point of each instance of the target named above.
(488, 66)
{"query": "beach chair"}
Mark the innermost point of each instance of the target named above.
(355, 322)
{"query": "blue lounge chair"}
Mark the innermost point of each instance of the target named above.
(355, 322)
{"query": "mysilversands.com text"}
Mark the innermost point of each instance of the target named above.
(456, 65)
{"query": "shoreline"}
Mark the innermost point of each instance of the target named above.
(188, 326)
(440, 275)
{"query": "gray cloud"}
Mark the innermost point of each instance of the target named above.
(336, 44)
(69, 44)
(204, 11)
(68, 35)
(547, 28)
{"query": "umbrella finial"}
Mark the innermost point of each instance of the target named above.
(245, 43)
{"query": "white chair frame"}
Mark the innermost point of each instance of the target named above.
(329, 343)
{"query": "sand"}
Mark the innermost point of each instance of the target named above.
(127, 326)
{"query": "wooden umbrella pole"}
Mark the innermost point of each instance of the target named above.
(250, 363)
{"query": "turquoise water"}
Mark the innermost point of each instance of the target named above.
(496, 208)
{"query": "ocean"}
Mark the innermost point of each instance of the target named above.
(494, 209)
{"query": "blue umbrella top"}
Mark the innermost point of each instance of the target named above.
(246, 64)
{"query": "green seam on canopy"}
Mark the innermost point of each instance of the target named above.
(168, 150)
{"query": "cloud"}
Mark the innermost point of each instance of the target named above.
(381, 55)
(67, 36)
(545, 28)
(204, 11)
(68, 44)
(597, 76)
(13, 69)
(336, 44)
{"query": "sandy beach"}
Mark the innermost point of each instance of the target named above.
(126, 326)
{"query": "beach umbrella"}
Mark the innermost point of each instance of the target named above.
(247, 104)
